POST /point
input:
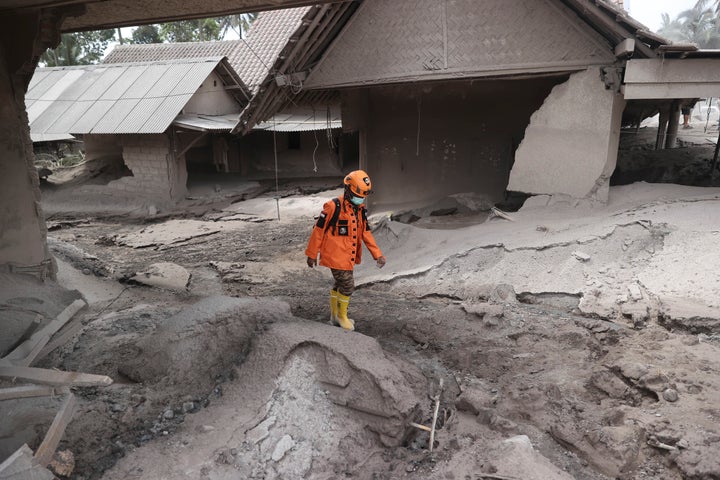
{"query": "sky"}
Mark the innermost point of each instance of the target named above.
(649, 12)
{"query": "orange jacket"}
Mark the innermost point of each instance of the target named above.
(340, 246)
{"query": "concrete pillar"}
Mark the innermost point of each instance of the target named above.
(22, 225)
(570, 147)
(673, 125)
(662, 128)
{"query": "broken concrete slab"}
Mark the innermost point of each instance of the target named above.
(571, 144)
(688, 314)
(168, 233)
(164, 275)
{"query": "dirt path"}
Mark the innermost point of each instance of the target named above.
(539, 335)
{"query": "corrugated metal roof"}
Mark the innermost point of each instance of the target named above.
(50, 137)
(215, 123)
(113, 98)
(302, 120)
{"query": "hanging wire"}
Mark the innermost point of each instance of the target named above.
(317, 143)
(277, 182)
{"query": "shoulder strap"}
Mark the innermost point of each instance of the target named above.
(335, 216)
(364, 217)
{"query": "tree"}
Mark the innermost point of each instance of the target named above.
(146, 34)
(240, 24)
(201, 30)
(82, 48)
(698, 24)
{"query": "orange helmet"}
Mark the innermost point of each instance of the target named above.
(359, 183)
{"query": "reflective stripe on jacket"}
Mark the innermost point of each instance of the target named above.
(340, 245)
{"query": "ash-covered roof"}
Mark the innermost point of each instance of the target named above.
(119, 98)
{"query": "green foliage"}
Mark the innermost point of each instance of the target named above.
(239, 24)
(82, 48)
(146, 34)
(201, 30)
(699, 24)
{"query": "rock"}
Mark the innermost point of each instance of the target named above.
(188, 407)
(164, 275)
(62, 463)
(483, 309)
(635, 292)
(582, 256)
(691, 340)
(282, 447)
(116, 407)
(261, 431)
(168, 414)
(516, 458)
(473, 400)
(536, 201)
(633, 370)
(671, 395)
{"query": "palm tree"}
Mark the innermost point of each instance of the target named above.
(82, 48)
(240, 24)
(699, 24)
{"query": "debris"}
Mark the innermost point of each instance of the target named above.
(283, 446)
(28, 351)
(582, 256)
(46, 450)
(435, 414)
(164, 275)
(22, 464)
(63, 463)
(635, 292)
(496, 212)
(54, 377)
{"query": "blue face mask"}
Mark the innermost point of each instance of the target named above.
(357, 200)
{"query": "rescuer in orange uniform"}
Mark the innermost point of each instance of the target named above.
(338, 236)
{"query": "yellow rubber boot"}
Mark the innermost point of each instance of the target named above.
(334, 307)
(342, 318)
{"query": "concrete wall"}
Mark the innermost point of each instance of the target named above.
(570, 147)
(422, 143)
(156, 174)
(212, 99)
(22, 225)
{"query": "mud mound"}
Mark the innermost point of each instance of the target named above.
(310, 401)
(201, 341)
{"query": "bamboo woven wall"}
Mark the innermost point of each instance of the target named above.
(406, 40)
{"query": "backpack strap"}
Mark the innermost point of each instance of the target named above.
(335, 216)
(364, 217)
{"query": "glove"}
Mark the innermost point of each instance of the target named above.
(311, 262)
(381, 261)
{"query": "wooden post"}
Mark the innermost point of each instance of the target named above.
(46, 450)
(674, 124)
(662, 128)
(715, 159)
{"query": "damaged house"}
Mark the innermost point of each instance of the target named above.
(450, 97)
(189, 135)
(146, 114)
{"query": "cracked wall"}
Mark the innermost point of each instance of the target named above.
(570, 147)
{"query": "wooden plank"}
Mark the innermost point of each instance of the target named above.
(21, 465)
(65, 335)
(47, 448)
(53, 377)
(26, 391)
(25, 353)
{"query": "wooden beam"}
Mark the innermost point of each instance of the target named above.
(26, 352)
(26, 391)
(46, 450)
(53, 377)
